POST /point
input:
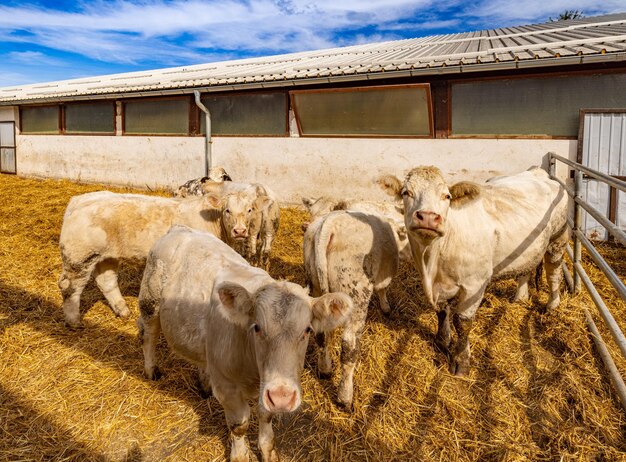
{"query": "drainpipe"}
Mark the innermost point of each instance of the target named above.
(208, 159)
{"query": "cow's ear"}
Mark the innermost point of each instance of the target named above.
(262, 202)
(236, 303)
(308, 202)
(463, 193)
(391, 185)
(331, 311)
(213, 201)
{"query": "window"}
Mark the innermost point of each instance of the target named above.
(532, 106)
(261, 114)
(39, 120)
(157, 117)
(98, 117)
(403, 111)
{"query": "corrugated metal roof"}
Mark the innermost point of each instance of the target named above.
(601, 38)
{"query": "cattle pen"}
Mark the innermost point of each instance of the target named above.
(537, 390)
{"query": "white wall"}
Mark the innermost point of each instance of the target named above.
(8, 113)
(292, 166)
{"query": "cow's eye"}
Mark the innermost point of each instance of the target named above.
(407, 193)
(256, 328)
(448, 197)
(307, 332)
(228, 211)
(249, 210)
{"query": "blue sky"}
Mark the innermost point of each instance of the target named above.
(42, 41)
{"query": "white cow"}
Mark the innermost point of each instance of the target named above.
(392, 213)
(255, 204)
(246, 332)
(355, 253)
(463, 236)
(101, 228)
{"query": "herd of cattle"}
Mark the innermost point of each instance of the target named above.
(206, 286)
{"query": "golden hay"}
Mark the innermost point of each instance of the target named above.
(537, 390)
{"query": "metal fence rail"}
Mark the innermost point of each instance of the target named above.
(580, 275)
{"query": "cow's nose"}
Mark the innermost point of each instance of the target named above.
(281, 399)
(240, 232)
(427, 219)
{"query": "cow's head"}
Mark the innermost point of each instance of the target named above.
(241, 212)
(217, 174)
(427, 200)
(280, 317)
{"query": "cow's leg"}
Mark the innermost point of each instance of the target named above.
(469, 301)
(554, 274)
(350, 351)
(205, 382)
(443, 337)
(382, 298)
(460, 359)
(251, 250)
(106, 279)
(237, 414)
(522, 288)
(151, 331)
(266, 436)
(72, 283)
(266, 248)
(324, 361)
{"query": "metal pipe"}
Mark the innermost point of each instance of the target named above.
(603, 265)
(208, 153)
(605, 355)
(619, 184)
(578, 221)
(614, 329)
(610, 227)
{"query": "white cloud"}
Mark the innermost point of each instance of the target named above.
(519, 13)
(127, 31)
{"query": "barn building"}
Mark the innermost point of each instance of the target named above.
(476, 104)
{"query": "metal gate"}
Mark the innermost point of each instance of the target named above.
(602, 147)
(7, 147)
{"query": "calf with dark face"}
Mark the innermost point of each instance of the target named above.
(246, 332)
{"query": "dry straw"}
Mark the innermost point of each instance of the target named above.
(537, 390)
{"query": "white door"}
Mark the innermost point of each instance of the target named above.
(7, 147)
(603, 148)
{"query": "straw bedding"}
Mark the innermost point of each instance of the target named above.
(537, 390)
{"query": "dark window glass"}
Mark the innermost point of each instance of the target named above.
(40, 120)
(534, 106)
(90, 118)
(254, 114)
(157, 117)
(391, 111)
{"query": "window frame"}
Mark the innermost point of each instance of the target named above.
(429, 104)
(72, 103)
(59, 119)
(190, 125)
(534, 75)
(240, 93)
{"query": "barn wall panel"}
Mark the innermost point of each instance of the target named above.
(291, 166)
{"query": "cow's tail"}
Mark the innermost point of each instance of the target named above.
(323, 240)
